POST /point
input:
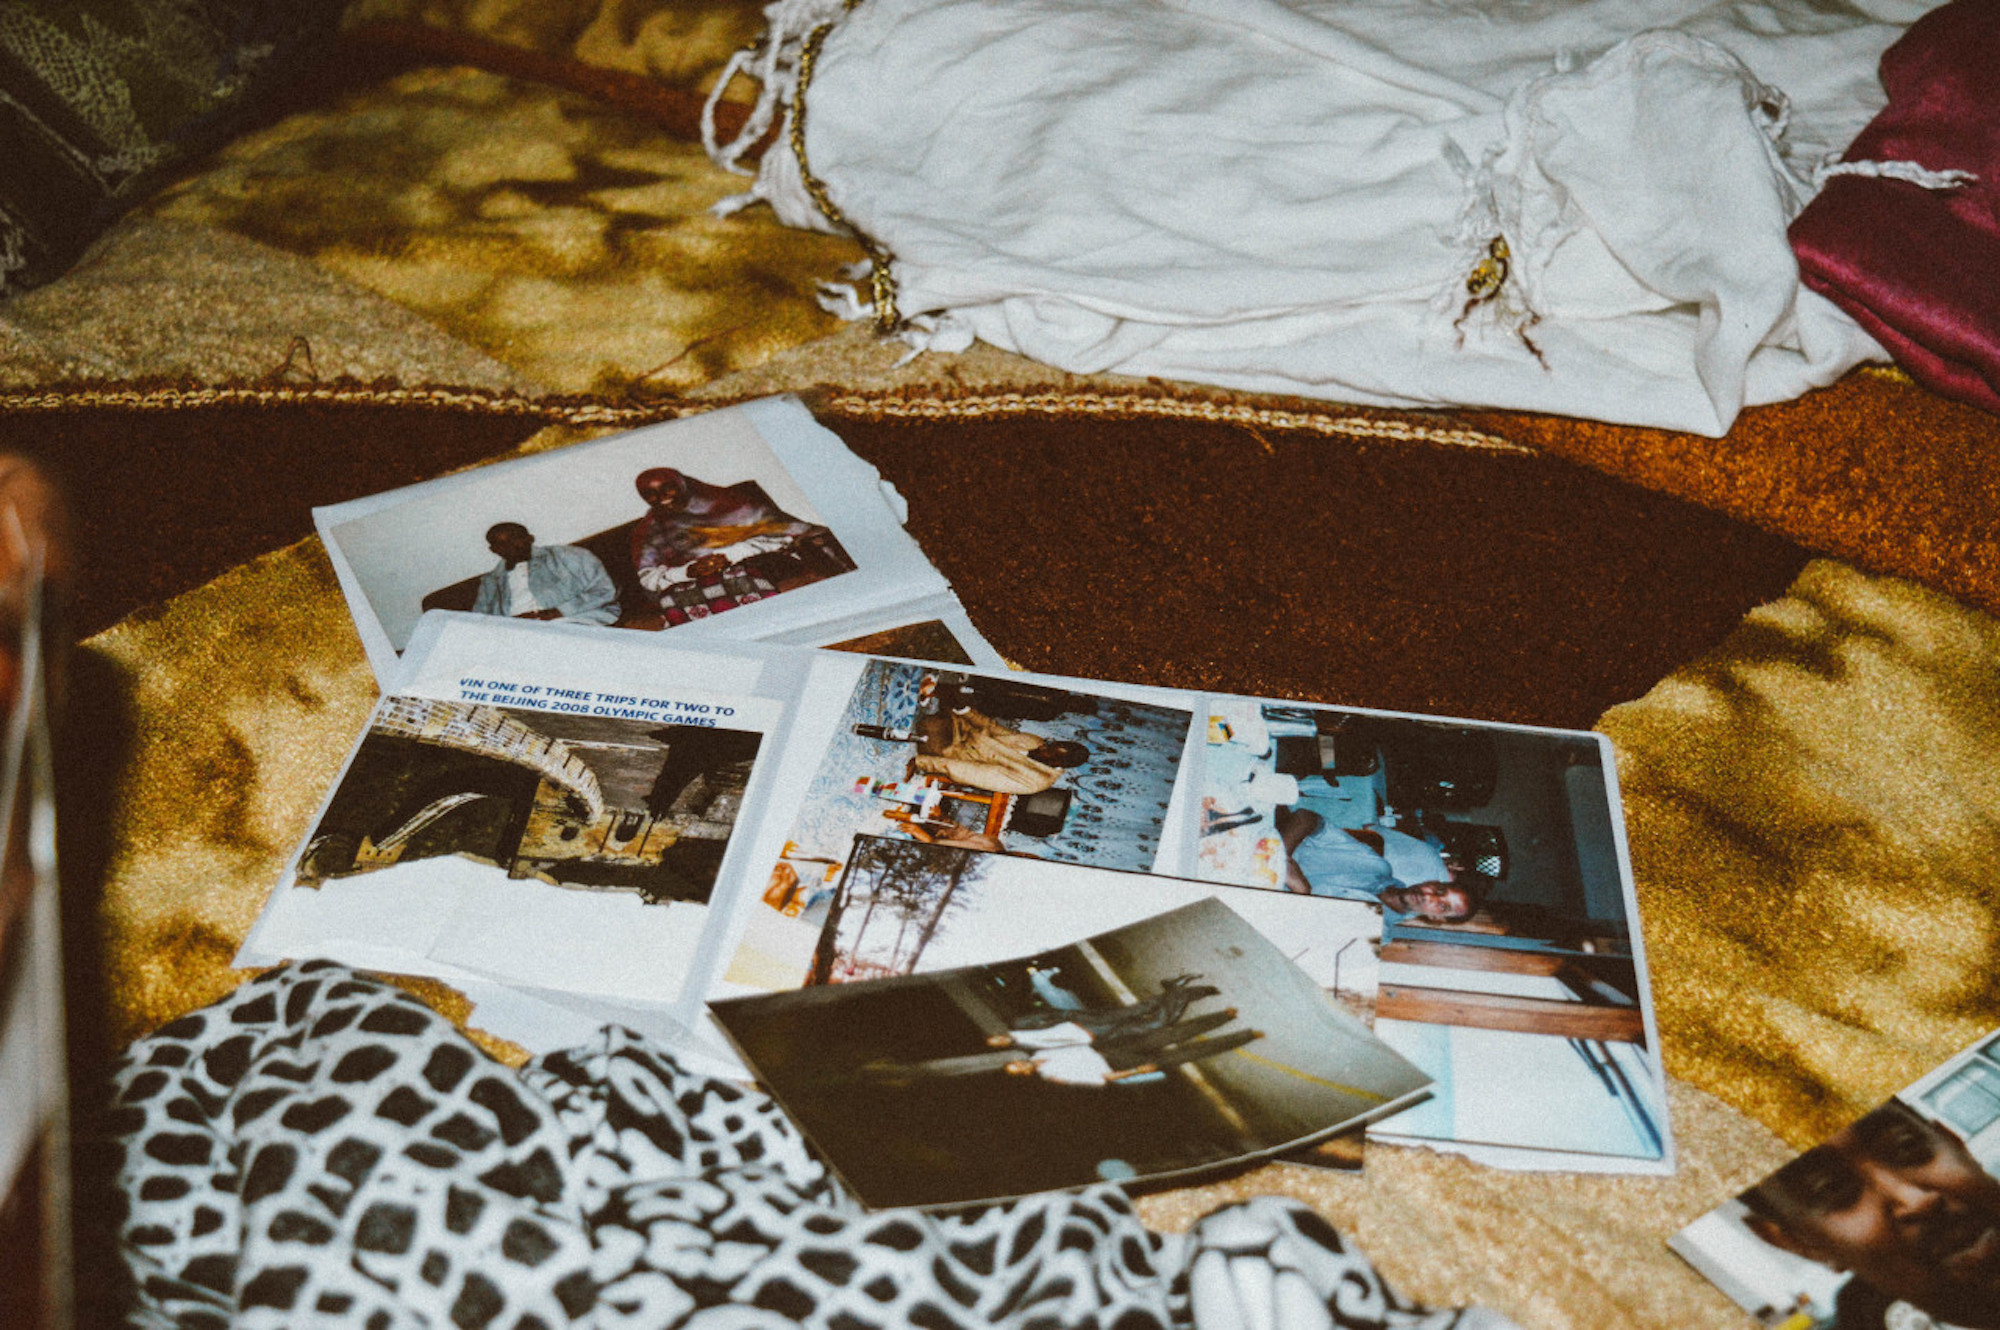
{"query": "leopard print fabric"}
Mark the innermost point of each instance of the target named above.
(322, 1149)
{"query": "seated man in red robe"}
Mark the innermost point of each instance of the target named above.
(693, 530)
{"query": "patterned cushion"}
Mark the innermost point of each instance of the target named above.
(321, 1148)
(99, 99)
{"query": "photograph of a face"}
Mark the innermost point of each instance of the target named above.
(578, 801)
(1176, 1043)
(1512, 970)
(651, 529)
(1892, 1223)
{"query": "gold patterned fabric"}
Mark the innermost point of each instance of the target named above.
(158, 301)
(678, 42)
(569, 241)
(99, 97)
(228, 755)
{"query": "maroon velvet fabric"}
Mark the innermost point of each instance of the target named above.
(1920, 268)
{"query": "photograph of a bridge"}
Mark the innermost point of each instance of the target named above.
(583, 801)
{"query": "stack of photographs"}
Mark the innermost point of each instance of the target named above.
(510, 816)
(1177, 1043)
(1490, 856)
(617, 822)
(1067, 772)
(906, 907)
(608, 780)
(1513, 970)
(750, 522)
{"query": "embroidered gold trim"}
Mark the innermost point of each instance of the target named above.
(1143, 406)
(882, 284)
(552, 409)
(1139, 404)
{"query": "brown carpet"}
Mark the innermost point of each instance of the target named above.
(1404, 575)
(173, 493)
(1409, 575)
(1874, 469)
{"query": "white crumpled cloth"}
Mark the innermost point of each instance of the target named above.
(1305, 196)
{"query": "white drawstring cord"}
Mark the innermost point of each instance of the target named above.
(1893, 170)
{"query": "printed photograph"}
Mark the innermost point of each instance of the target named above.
(904, 906)
(979, 762)
(1510, 968)
(644, 530)
(580, 801)
(1180, 1042)
(1890, 1224)
(997, 764)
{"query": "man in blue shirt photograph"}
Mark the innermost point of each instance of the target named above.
(1375, 865)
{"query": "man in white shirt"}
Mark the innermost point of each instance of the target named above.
(544, 581)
